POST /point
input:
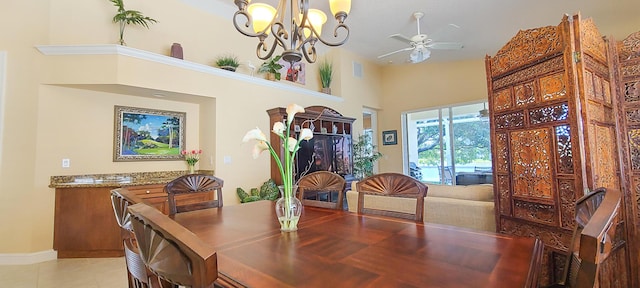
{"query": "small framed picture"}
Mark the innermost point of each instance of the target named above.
(390, 137)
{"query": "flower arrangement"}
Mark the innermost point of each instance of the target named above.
(285, 164)
(191, 157)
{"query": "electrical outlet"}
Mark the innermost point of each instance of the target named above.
(66, 163)
(227, 159)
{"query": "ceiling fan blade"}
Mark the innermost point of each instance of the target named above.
(402, 38)
(394, 52)
(445, 45)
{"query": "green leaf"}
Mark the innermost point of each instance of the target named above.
(241, 194)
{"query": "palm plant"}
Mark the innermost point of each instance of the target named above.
(126, 17)
(326, 73)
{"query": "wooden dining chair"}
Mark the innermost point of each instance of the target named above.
(312, 185)
(138, 275)
(392, 185)
(173, 253)
(194, 183)
(593, 237)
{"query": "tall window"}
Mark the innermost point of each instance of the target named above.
(449, 145)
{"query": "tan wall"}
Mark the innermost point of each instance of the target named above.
(413, 87)
(62, 106)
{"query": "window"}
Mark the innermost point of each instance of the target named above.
(449, 145)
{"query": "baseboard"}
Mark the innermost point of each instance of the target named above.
(28, 258)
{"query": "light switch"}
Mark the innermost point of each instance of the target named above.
(227, 159)
(66, 163)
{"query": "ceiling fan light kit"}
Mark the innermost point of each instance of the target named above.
(264, 21)
(420, 44)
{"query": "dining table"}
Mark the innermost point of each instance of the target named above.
(335, 248)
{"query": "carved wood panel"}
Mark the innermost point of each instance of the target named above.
(554, 130)
(628, 89)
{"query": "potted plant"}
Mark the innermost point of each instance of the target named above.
(228, 62)
(126, 17)
(272, 68)
(326, 74)
(364, 157)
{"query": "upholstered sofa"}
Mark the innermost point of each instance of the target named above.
(470, 206)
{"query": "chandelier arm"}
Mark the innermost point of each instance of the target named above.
(262, 47)
(335, 35)
(312, 56)
(244, 30)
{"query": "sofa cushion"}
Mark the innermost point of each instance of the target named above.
(478, 192)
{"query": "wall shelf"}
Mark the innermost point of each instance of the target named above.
(148, 58)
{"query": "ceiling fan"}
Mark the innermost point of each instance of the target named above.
(420, 44)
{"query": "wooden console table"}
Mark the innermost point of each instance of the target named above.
(343, 249)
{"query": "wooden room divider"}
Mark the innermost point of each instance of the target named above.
(553, 128)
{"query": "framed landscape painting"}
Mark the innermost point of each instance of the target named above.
(145, 134)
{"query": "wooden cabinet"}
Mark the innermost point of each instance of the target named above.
(85, 225)
(553, 132)
(328, 150)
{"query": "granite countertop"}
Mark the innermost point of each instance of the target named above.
(118, 179)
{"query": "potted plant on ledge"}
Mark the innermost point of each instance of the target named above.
(126, 17)
(228, 62)
(272, 68)
(326, 75)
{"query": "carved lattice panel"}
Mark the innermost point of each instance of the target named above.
(525, 94)
(632, 116)
(567, 192)
(502, 153)
(534, 212)
(531, 163)
(565, 154)
(591, 40)
(502, 100)
(589, 91)
(606, 90)
(597, 88)
(632, 91)
(510, 120)
(547, 114)
(553, 87)
(595, 111)
(634, 148)
(629, 48)
(605, 158)
(503, 193)
(526, 47)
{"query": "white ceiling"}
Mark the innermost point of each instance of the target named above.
(485, 25)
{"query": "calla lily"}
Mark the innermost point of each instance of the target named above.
(306, 134)
(292, 109)
(293, 142)
(278, 128)
(254, 134)
(258, 148)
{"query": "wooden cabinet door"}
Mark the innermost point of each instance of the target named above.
(85, 224)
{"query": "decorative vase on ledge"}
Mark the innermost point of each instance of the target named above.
(326, 90)
(288, 209)
(192, 169)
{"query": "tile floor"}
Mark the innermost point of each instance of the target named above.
(67, 273)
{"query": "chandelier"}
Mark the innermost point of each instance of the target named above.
(262, 21)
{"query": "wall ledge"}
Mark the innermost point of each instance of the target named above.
(115, 49)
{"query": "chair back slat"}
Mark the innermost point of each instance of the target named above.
(320, 182)
(190, 184)
(392, 185)
(171, 251)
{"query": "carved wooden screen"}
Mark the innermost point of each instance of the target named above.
(627, 61)
(543, 158)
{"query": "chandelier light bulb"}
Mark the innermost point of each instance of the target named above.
(317, 18)
(338, 6)
(262, 15)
